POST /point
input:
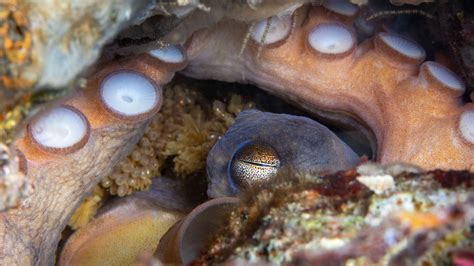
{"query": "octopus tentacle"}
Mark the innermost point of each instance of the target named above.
(414, 112)
(138, 220)
(70, 147)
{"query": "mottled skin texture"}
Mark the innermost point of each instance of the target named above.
(412, 120)
(302, 144)
(30, 234)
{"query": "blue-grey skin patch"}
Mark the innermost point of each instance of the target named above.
(302, 144)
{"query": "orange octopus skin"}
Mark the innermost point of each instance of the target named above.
(413, 117)
(62, 178)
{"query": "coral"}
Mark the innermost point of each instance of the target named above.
(457, 239)
(15, 52)
(34, 55)
(185, 130)
(336, 216)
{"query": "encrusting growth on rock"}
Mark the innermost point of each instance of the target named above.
(336, 219)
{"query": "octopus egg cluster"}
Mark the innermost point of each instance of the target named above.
(185, 130)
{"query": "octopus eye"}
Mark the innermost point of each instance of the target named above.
(253, 163)
(130, 95)
(64, 129)
(272, 30)
(170, 54)
(331, 39)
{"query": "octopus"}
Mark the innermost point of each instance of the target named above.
(262, 143)
(320, 66)
(410, 109)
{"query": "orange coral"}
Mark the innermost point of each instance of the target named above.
(17, 43)
(419, 221)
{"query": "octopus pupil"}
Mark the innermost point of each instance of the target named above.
(259, 163)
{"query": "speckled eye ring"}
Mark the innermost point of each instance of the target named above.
(253, 164)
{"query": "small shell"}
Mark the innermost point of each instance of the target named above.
(377, 183)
